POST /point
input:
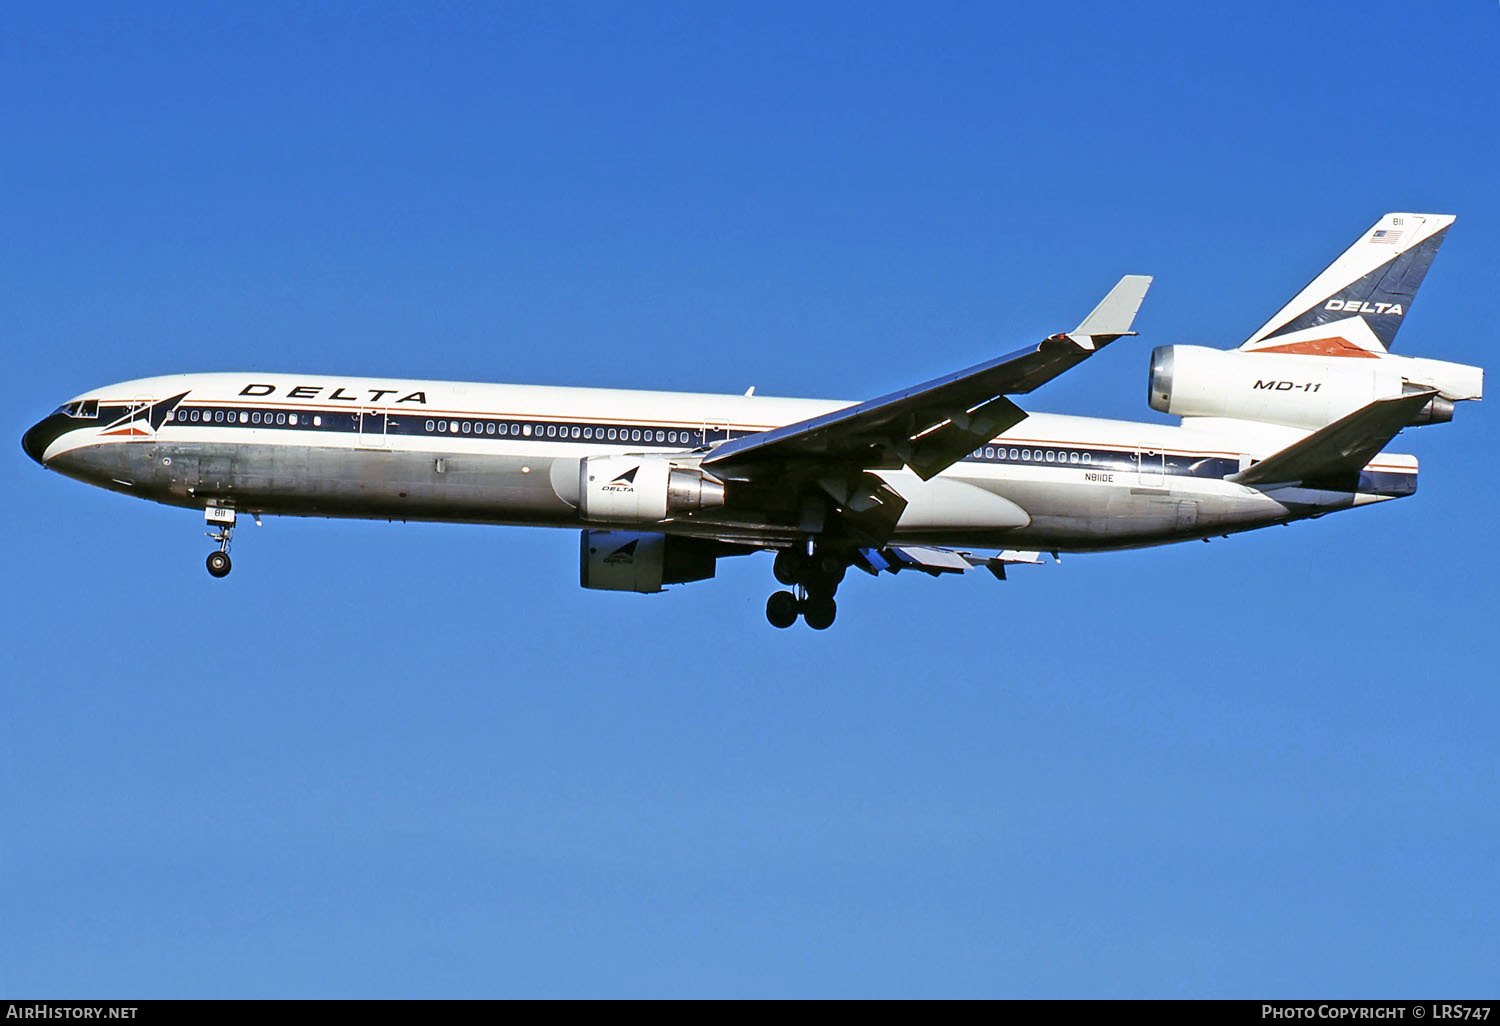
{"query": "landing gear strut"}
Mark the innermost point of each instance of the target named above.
(814, 577)
(223, 519)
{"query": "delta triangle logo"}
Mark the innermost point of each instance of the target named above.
(624, 555)
(624, 482)
(142, 419)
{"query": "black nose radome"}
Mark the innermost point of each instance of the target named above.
(42, 434)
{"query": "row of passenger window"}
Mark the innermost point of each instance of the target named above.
(580, 432)
(460, 427)
(244, 417)
(998, 452)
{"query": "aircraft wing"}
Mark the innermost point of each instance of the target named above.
(1341, 450)
(930, 426)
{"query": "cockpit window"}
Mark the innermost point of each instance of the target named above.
(83, 409)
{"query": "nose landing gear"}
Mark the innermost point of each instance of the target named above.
(217, 516)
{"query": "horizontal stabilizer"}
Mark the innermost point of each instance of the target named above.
(1337, 453)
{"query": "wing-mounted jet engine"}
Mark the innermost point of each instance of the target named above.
(633, 489)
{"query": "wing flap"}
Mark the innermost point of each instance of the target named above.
(938, 561)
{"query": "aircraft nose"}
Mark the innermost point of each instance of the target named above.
(41, 435)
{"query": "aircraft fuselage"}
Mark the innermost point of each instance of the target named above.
(301, 445)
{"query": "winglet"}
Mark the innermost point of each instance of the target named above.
(1113, 316)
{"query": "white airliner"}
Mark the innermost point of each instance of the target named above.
(939, 477)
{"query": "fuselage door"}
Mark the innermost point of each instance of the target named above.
(374, 427)
(1151, 464)
(713, 432)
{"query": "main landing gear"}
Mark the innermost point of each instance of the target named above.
(814, 579)
(223, 519)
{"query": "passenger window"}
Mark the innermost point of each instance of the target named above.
(431, 426)
(1072, 457)
(1051, 456)
(611, 434)
(989, 452)
(317, 421)
(489, 429)
(1084, 458)
(635, 435)
(290, 418)
(1025, 454)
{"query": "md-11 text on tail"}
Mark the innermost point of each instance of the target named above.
(940, 477)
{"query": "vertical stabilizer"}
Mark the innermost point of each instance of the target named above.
(1356, 306)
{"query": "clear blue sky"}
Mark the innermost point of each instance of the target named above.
(410, 760)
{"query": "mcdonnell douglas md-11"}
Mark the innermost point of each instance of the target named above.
(939, 477)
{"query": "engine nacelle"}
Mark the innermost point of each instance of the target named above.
(1297, 390)
(642, 489)
(642, 561)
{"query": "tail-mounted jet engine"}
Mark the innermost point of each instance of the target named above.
(1297, 390)
(643, 561)
(643, 489)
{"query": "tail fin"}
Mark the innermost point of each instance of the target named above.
(1356, 306)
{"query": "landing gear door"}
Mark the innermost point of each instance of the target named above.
(374, 427)
(1151, 466)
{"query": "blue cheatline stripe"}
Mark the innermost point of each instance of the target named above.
(407, 423)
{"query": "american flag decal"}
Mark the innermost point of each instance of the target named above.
(1386, 236)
